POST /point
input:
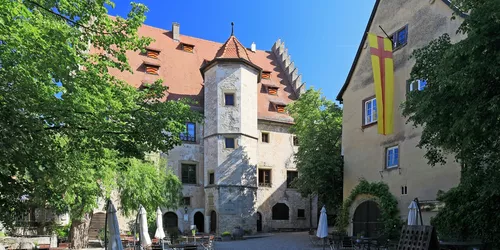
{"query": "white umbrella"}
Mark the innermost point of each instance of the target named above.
(412, 215)
(322, 231)
(115, 242)
(160, 234)
(143, 228)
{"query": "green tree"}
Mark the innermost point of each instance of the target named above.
(318, 127)
(70, 132)
(460, 114)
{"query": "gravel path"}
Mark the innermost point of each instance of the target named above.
(292, 241)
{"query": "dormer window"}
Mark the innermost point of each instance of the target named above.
(188, 47)
(266, 74)
(152, 68)
(272, 90)
(280, 108)
(152, 53)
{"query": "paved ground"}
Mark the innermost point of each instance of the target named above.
(293, 241)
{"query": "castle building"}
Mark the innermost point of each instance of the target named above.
(236, 168)
(393, 159)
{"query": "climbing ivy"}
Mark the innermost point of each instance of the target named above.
(388, 207)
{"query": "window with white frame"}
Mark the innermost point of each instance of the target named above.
(370, 111)
(416, 85)
(392, 157)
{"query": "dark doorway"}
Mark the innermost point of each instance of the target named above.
(280, 211)
(259, 222)
(366, 219)
(199, 221)
(213, 222)
(170, 220)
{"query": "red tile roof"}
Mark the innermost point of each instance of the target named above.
(232, 48)
(180, 70)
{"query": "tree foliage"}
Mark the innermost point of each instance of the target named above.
(460, 114)
(318, 127)
(69, 130)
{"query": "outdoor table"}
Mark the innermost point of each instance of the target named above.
(184, 246)
(366, 242)
(460, 244)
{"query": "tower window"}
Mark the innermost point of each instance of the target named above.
(186, 201)
(265, 137)
(229, 142)
(404, 190)
(211, 178)
(229, 99)
(188, 47)
(266, 75)
(290, 177)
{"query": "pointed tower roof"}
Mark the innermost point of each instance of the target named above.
(232, 48)
(232, 51)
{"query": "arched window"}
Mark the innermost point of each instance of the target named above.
(280, 212)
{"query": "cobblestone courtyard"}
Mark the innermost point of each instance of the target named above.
(295, 240)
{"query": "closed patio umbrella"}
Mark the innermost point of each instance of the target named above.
(412, 215)
(159, 234)
(115, 242)
(322, 231)
(143, 228)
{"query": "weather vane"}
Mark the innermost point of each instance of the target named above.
(232, 28)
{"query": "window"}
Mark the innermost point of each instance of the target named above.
(264, 177)
(265, 137)
(295, 141)
(186, 201)
(400, 38)
(369, 111)
(152, 69)
(188, 174)
(272, 90)
(229, 99)
(229, 142)
(290, 177)
(266, 75)
(188, 47)
(392, 157)
(280, 211)
(190, 133)
(280, 108)
(152, 53)
(301, 213)
(211, 178)
(415, 85)
(404, 190)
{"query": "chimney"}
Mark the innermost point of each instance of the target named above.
(175, 31)
(253, 47)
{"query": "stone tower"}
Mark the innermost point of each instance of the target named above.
(230, 138)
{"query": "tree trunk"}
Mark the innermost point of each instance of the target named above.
(79, 233)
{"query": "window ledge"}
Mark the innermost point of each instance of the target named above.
(368, 125)
(301, 218)
(391, 169)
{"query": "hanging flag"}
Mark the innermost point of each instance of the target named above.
(383, 76)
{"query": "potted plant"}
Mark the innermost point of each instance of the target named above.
(226, 236)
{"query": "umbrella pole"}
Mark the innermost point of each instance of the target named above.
(419, 212)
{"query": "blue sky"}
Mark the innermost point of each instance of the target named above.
(321, 36)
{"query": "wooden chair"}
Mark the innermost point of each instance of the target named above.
(209, 245)
(347, 243)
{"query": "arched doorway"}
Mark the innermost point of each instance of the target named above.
(366, 219)
(280, 211)
(170, 220)
(199, 221)
(213, 222)
(259, 222)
